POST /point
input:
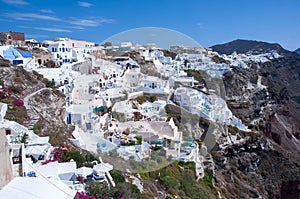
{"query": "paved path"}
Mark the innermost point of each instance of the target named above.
(31, 113)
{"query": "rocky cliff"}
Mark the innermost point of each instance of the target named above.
(244, 46)
(267, 165)
(41, 108)
(297, 51)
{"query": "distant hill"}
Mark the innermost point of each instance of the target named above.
(297, 51)
(244, 46)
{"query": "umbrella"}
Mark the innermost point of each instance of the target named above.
(84, 171)
(102, 167)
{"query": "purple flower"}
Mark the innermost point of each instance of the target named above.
(18, 103)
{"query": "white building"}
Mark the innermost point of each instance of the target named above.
(35, 146)
(193, 100)
(152, 85)
(139, 152)
(177, 81)
(152, 107)
(151, 54)
(66, 50)
(79, 114)
(125, 46)
(113, 93)
(37, 187)
(3, 109)
(18, 57)
(82, 87)
(131, 78)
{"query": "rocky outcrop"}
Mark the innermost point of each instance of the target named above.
(44, 111)
(244, 46)
(251, 170)
(265, 165)
(297, 51)
(49, 105)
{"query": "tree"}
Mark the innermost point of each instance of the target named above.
(107, 44)
(139, 139)
(121, 190)
(117, 176)
(24, 138)
(152, 98)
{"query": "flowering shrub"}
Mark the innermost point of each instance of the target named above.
(56, 156)
(18, 103)
(5, 93)
(136, 114)
(83, 195)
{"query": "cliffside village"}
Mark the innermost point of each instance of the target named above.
(114, 104)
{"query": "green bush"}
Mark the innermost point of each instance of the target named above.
(145, 176)
(15, 90)
(207, 180)
(139, 139)
(152, 98)
(117, 176)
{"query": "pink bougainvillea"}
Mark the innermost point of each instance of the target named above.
(56, 156)
(18, 103)
(83, 195)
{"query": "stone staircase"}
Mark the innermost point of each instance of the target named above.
(34, 117)
(32, 114)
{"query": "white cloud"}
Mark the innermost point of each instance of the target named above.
(90, 22)
(85, 22)
(48, 11)
(84, 4)
(6, 20)
(16, 2)
(200, 25)
(52, 29)
(75, 27)
(35, 36)
(29, 16)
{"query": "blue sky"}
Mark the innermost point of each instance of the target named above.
(207, 22)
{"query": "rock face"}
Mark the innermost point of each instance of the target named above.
(244, 46)
(248, 171)
(297, 51)
(48, 106)
(44, 111)
(281, 74)
(261, 97)
(270, 109)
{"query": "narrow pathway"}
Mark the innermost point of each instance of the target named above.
(31, 113)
